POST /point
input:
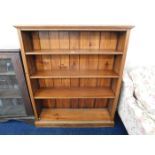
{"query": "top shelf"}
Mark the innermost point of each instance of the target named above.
(74, 27)
(73, 52)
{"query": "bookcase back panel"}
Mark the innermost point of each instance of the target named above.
(74, 83)
(68, 82)
(74, 103)
(50, 40)
(70, 62)
(74, 73)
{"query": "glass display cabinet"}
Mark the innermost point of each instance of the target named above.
(14, 98)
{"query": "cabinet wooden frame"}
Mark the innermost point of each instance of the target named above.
(14, 56)
(74, 70)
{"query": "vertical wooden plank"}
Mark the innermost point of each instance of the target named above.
(74, 63)
(94, 43)
(113, 105)
(46, 60)
(89, 40)
(64, 44)
(121, 41)
(47, 67)
(84, 62)
(31, 64)
(105, 40)
(47, 64)
(40, 67)
(101, 103)
(48, 103)
(64, 40)
(45, 44)
(54, 39)
(56, 82)
(113, 40)
(44, 40)
(55, 62)
(35, 40)
(36, 46)
(55, 65)
(94, 40)
(84, 40)
(74, 103)
(74, 40)
(64, 62)
(23, 50)
(38, 58)
(27, 42)
(103, 82)
(108, 40)
(105, 62)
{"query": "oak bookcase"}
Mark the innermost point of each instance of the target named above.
(74, 73)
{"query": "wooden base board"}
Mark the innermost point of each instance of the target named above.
(74, 118)
(74, 124)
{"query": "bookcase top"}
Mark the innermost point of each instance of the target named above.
(74, 27)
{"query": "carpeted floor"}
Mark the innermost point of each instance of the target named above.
(21, 128)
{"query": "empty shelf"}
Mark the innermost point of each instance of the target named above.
(74, 117)
(67, 93)
(75, 74)
(74, 52)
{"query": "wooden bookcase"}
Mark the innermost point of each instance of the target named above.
(74, 73)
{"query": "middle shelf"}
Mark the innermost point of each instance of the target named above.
(74, 52)
(66, 93)
(74, 74)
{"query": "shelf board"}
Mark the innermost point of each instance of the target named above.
(74, 118)
(74, 74)
(9, 93)
(74, 27)
(73, 52)
(66, 93)
(7, 73)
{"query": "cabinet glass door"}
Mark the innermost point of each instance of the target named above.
(11, 102)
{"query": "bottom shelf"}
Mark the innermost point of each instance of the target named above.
(74, 118)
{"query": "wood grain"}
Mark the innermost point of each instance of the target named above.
(65, 93)
(74, 52)
(75, 27)
(75, 114)
(74, 63)
(64, 44)
(74, 68)
(74, 74)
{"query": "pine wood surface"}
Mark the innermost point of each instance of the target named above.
(74, 67)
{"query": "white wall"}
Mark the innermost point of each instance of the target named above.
(140, 13)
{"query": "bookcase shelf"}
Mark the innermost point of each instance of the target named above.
(74, 73)
(67, 93)
(74, 117)
(73, 52)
